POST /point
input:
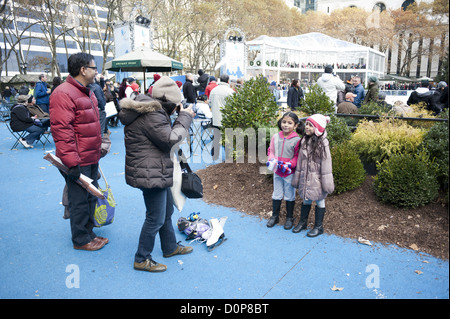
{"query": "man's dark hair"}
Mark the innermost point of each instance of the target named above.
(78, 60)
(224, 78)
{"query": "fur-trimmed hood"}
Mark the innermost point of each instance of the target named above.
(132, 109)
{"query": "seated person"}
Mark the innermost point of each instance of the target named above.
(347, 107)
(21, 120)
(202, 108)
(35, 109)
(382, 101)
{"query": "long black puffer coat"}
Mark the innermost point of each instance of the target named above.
(149, 141)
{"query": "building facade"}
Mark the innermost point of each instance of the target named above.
(33, 55)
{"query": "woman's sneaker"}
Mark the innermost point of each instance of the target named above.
(24, 143)
(150, 265)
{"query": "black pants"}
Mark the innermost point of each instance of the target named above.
(82, 207)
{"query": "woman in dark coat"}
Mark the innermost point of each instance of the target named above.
(295, 95)
(150, 138)
(21, 120)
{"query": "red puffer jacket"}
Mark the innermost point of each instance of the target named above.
(75, 124)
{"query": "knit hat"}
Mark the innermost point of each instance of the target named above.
(373, 79)
(320, 122)
(328, 69)
(166, 88)
(156, 77)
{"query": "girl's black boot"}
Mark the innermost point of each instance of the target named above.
(303, 222)
(289, 214)
(318, 223)
(276, 204)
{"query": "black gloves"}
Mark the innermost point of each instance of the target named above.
(74, 173)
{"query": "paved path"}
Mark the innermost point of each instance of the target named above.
(38, 262)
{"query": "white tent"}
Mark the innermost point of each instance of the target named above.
(303, 56)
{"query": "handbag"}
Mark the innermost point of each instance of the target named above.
(179, 199)
(191, 184)
(104, 208)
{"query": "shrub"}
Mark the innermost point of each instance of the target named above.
(251, 106)
(406, 180)
(348, 171)
(338, 131)
(316, 101)
(373, 108)
(435, 144)
(375, 142)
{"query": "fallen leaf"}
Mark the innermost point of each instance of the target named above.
(43, 167)
(364, 241)
(414, 246)
(382, 227)
(418, 272)
(334, 288)
(215, 186)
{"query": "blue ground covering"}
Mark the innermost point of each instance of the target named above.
(37, 260)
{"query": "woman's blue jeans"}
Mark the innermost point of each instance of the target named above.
(35, 133)
(158, 220)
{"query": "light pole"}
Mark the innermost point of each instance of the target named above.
(23, 67)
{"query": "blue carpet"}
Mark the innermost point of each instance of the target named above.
(38, 261)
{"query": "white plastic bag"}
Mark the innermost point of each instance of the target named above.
(178, 197)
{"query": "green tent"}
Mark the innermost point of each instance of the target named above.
(143, 60)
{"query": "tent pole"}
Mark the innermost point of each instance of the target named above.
(145, 85)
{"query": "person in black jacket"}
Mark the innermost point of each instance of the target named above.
(295, 95)
(443, 88)
(150, 140)
(203, 81)
(189, 91)
(423, 94)
(21, 120)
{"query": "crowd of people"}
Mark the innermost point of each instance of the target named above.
(349, 96)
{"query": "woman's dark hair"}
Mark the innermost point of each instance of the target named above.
(294, 83)
(78, 60)
(314, 146)
(56, 81)
(301, 126)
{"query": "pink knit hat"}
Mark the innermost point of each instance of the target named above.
(320, 122)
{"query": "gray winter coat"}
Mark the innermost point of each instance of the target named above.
(314, 180)
(149, 140)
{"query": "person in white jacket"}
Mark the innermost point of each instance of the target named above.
(217, 99)
(330, 84)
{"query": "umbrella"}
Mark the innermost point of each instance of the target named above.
(425, 78)
(144, 60)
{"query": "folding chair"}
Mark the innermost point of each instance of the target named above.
(44, 139)
(17, 135)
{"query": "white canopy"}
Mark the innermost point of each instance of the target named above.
(313, 41)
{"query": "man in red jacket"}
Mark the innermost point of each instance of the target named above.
(75, 124)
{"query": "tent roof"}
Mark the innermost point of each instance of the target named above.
(143, 59)
(313, 41)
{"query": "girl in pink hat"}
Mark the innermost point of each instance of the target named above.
(313, 176)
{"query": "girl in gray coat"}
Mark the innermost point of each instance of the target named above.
(150, 137)
(313, 176)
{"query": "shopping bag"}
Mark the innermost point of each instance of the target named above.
(105, 208)
(179, 199)
(110, 109)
